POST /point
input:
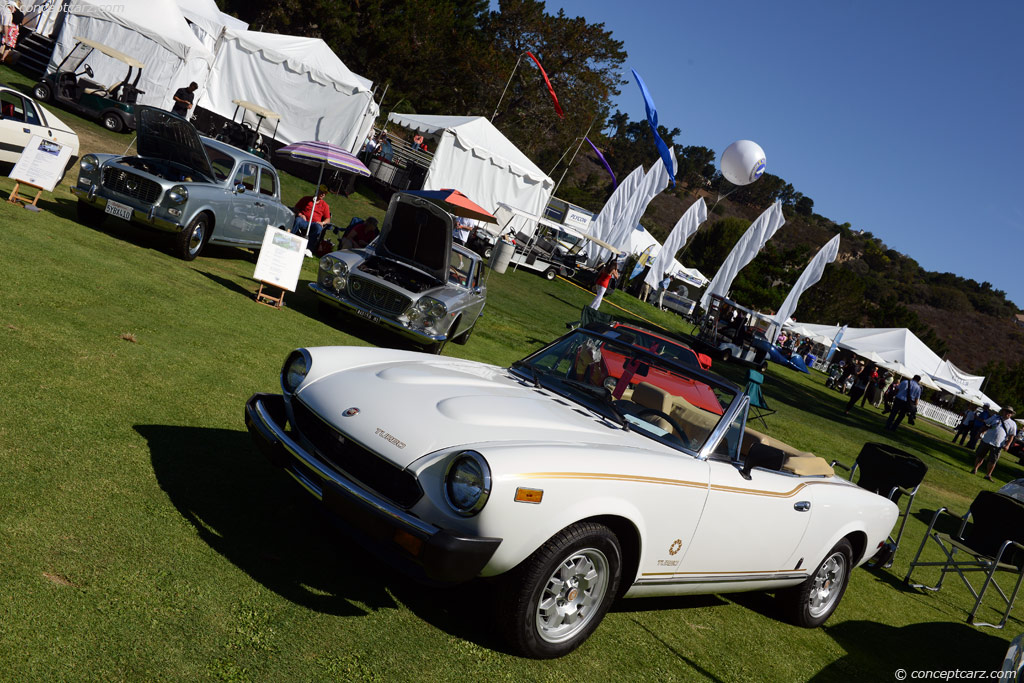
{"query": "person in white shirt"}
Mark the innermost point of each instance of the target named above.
(662, 288)
(999, 435)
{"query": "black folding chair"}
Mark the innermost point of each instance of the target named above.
(589, 315)
(891, 473)
(992, 534)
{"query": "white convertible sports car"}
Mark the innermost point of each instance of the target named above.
(592, 469)
(21, 117)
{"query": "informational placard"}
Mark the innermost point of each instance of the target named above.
(42, 163)
(280, 259)
(577, 219)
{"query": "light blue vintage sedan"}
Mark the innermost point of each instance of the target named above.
(204, 191)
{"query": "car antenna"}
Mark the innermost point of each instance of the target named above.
(125, 153)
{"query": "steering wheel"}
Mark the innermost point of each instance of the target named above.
(246, 125)
(88, 71)
(680, 432)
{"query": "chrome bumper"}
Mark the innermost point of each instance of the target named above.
(349, 306)
(93, 198)
(415, 545)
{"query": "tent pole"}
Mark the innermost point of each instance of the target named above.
(506, 87)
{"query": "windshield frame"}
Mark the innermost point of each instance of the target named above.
(526, 370)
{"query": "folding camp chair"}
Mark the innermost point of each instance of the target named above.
(891, 473)
(994, 540)
(754, 381)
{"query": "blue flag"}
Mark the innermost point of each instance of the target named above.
(652, 119)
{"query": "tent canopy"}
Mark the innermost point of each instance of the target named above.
(317, 96)
(208, 21)
(153, 32)
(473, 156)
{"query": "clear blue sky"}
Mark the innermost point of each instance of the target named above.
(902, 118)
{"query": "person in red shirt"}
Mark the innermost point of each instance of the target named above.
(360, 234)
(310, 219)
(604, 278)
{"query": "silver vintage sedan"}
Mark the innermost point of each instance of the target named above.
(411, 279)
(202, 190)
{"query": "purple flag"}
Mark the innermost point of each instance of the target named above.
(604, 162)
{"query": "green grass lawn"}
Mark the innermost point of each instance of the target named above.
(143, 537)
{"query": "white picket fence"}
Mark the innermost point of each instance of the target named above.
(937, 414)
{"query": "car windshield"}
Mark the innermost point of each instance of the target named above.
(222, 163)
(460, 270)
(639, 389)
(663, 347)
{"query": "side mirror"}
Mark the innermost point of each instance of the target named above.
(762, 456)
(239, 188)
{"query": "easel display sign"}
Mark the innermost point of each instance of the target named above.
(42, 163)
(280, 259)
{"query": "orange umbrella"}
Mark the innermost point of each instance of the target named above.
(456, 203)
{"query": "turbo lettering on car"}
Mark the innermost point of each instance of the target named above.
(389, 438)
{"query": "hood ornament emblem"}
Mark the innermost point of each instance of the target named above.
(350, 412)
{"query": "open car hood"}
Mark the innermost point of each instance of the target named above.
(163, 135)
(419, 233)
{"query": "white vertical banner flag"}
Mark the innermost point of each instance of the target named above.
(612, 211)
(683, 230)
(759, 232)
(654, 181)
(812, 273)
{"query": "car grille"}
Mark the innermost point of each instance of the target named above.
(131, 185)
(363, 465)
(377, 297)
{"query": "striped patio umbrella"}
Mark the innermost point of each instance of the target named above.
(323, 154)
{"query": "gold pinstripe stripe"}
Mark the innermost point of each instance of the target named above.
(637, 479)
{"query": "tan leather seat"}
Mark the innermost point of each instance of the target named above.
(695, 422)
(797, 462)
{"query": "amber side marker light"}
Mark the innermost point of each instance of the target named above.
(529, 495)
(411, 544)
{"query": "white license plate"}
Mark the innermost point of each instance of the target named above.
(120, 210)
(369, 316)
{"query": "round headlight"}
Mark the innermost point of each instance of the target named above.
(178, 194)
(339, 283)
(467, 483)
(295, 370)
(89, 163)
(339, 267)
(438, 310)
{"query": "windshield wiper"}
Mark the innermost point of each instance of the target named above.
(531, 370)
(601, 393)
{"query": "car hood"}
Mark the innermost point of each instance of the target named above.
(409, 405)
(162, 135)
(418, 232)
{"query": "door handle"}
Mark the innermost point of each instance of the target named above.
(259, 204)
(802, 506)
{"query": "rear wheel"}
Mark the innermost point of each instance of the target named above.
(113, 122)
(814, 600)
(90, 215)
(557, 596)
(550, 273)
(42, 92)
(193, 238)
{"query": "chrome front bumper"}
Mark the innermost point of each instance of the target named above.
(149, 218)
(414, 545)
(349, 306)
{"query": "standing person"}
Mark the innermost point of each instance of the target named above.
(309, 220)
(11, 10)
(461, 230)
(999, 435)
(662, 288)
(604, 278)
(183, 99)
(860, 386)
(978, 426)
(872, 388)
(907, 395)
(883, 388)
(964, 428)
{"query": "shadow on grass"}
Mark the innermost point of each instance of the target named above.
(228, 284)
(934, 646)
(259, 519)
(679, 655)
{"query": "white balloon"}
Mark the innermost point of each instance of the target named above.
(743, 162)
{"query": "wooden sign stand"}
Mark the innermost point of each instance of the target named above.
(268, 299)
(16, 198)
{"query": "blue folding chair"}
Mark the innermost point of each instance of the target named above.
(757, 402)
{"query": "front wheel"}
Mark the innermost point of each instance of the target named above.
(42, 92)
(814, 600)
(557, 596)
(191, 240)
(113, 122)
(550, 274)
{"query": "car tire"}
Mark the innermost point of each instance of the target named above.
(113, 122)
(813, 601)
(90, 215)
(487, 252)
(190, 241)
(550, 274)
(42, 92)
(463, 338)
(557, 596)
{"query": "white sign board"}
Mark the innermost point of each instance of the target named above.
(280, 259)
(577, 219)
(42, 163)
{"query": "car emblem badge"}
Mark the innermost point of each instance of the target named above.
(132, 185)
(350, 412)
(676, 546)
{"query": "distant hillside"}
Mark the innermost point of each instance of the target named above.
(870, 285)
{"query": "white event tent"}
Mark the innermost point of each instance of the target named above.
(317, 96)
(473, 156)
(208, 22)
(152, 31)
